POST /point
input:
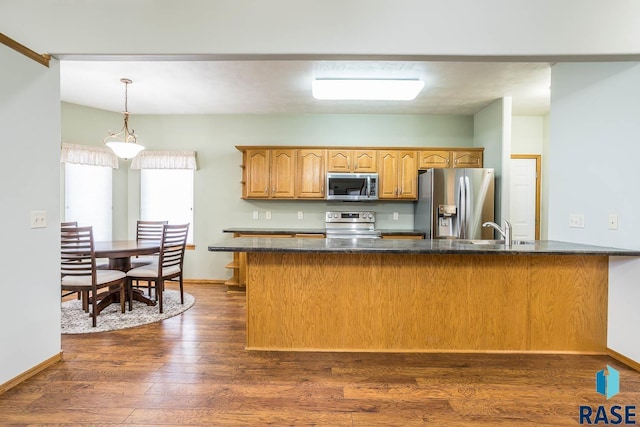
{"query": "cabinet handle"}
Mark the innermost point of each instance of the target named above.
(266, 189)
(349, 164)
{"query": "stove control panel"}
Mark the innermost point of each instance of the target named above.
(351, 216)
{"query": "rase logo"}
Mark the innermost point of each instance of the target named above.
(608, 385)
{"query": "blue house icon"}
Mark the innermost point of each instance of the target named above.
(608, 382)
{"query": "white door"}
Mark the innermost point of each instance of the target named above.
(523, 198)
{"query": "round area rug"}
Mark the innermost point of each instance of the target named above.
(76, 321)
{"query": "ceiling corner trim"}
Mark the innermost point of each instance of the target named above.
(20, 48)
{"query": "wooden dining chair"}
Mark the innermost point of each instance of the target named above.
(78, 270)
(63, 225)
(147, 230)
(169, 264)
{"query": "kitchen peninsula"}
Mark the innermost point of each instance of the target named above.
(425, 295)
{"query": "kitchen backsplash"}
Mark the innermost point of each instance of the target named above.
(286, 214)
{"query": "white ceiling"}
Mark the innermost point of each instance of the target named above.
(284, 86)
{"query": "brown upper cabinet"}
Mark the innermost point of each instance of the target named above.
(269, 173)
(310, 173)
(397, 174)
(281, 172)
(467, 159)
(351, 161)
(434, 159)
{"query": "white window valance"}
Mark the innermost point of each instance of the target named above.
(165, 160)
(88, 155)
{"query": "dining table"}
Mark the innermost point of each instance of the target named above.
(119, 253)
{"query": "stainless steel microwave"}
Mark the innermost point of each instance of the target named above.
(352, 186)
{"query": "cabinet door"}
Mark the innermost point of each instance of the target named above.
(434, 159)
(257, 180)
(387, 174)
(407, 175)
(467, 159)
(310, 174)
(283, 169)
(364, 161)
(339, 161)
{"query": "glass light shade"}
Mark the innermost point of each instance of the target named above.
(125, 150)
(367, 89)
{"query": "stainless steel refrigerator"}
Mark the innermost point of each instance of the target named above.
(454, 203)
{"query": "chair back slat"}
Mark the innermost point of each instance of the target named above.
(149, 230)
(77, 256)
(174, 242)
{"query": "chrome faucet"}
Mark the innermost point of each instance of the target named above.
(505, 231)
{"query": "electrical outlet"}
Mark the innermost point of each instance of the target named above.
(267, 214)
(395, 216)
(576, 221)
(300, 215)
(613, 222)
(38, 219)
(255, 214)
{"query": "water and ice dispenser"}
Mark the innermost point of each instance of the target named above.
(447, 221)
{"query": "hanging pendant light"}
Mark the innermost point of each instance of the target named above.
(124, 143)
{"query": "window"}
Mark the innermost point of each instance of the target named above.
(167, 194)
(87, 195)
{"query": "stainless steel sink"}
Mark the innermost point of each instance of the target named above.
(495, 242)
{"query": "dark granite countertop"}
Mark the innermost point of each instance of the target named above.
(391, 246)
(267, 231)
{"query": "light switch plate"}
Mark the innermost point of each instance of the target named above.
(395, 216)
(576, 221)
(613, 222)
(38, 219)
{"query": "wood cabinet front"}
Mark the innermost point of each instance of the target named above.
(269, 173)
(467, 159)
(310, 174)
(434, 159)
(257, 179)
(351, 161)
(397, 174)
(283, 169)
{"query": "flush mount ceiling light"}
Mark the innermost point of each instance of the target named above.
(367, 89)
(124, 142)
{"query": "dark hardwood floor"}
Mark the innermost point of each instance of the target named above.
(192, 369)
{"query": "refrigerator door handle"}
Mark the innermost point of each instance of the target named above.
(462, 214)
(467, 208)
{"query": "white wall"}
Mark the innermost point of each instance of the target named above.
(217, 202)
(593, 146)
(492, 130)
(527, 135)
(594, 136)
(29, 177)
(399, 27)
